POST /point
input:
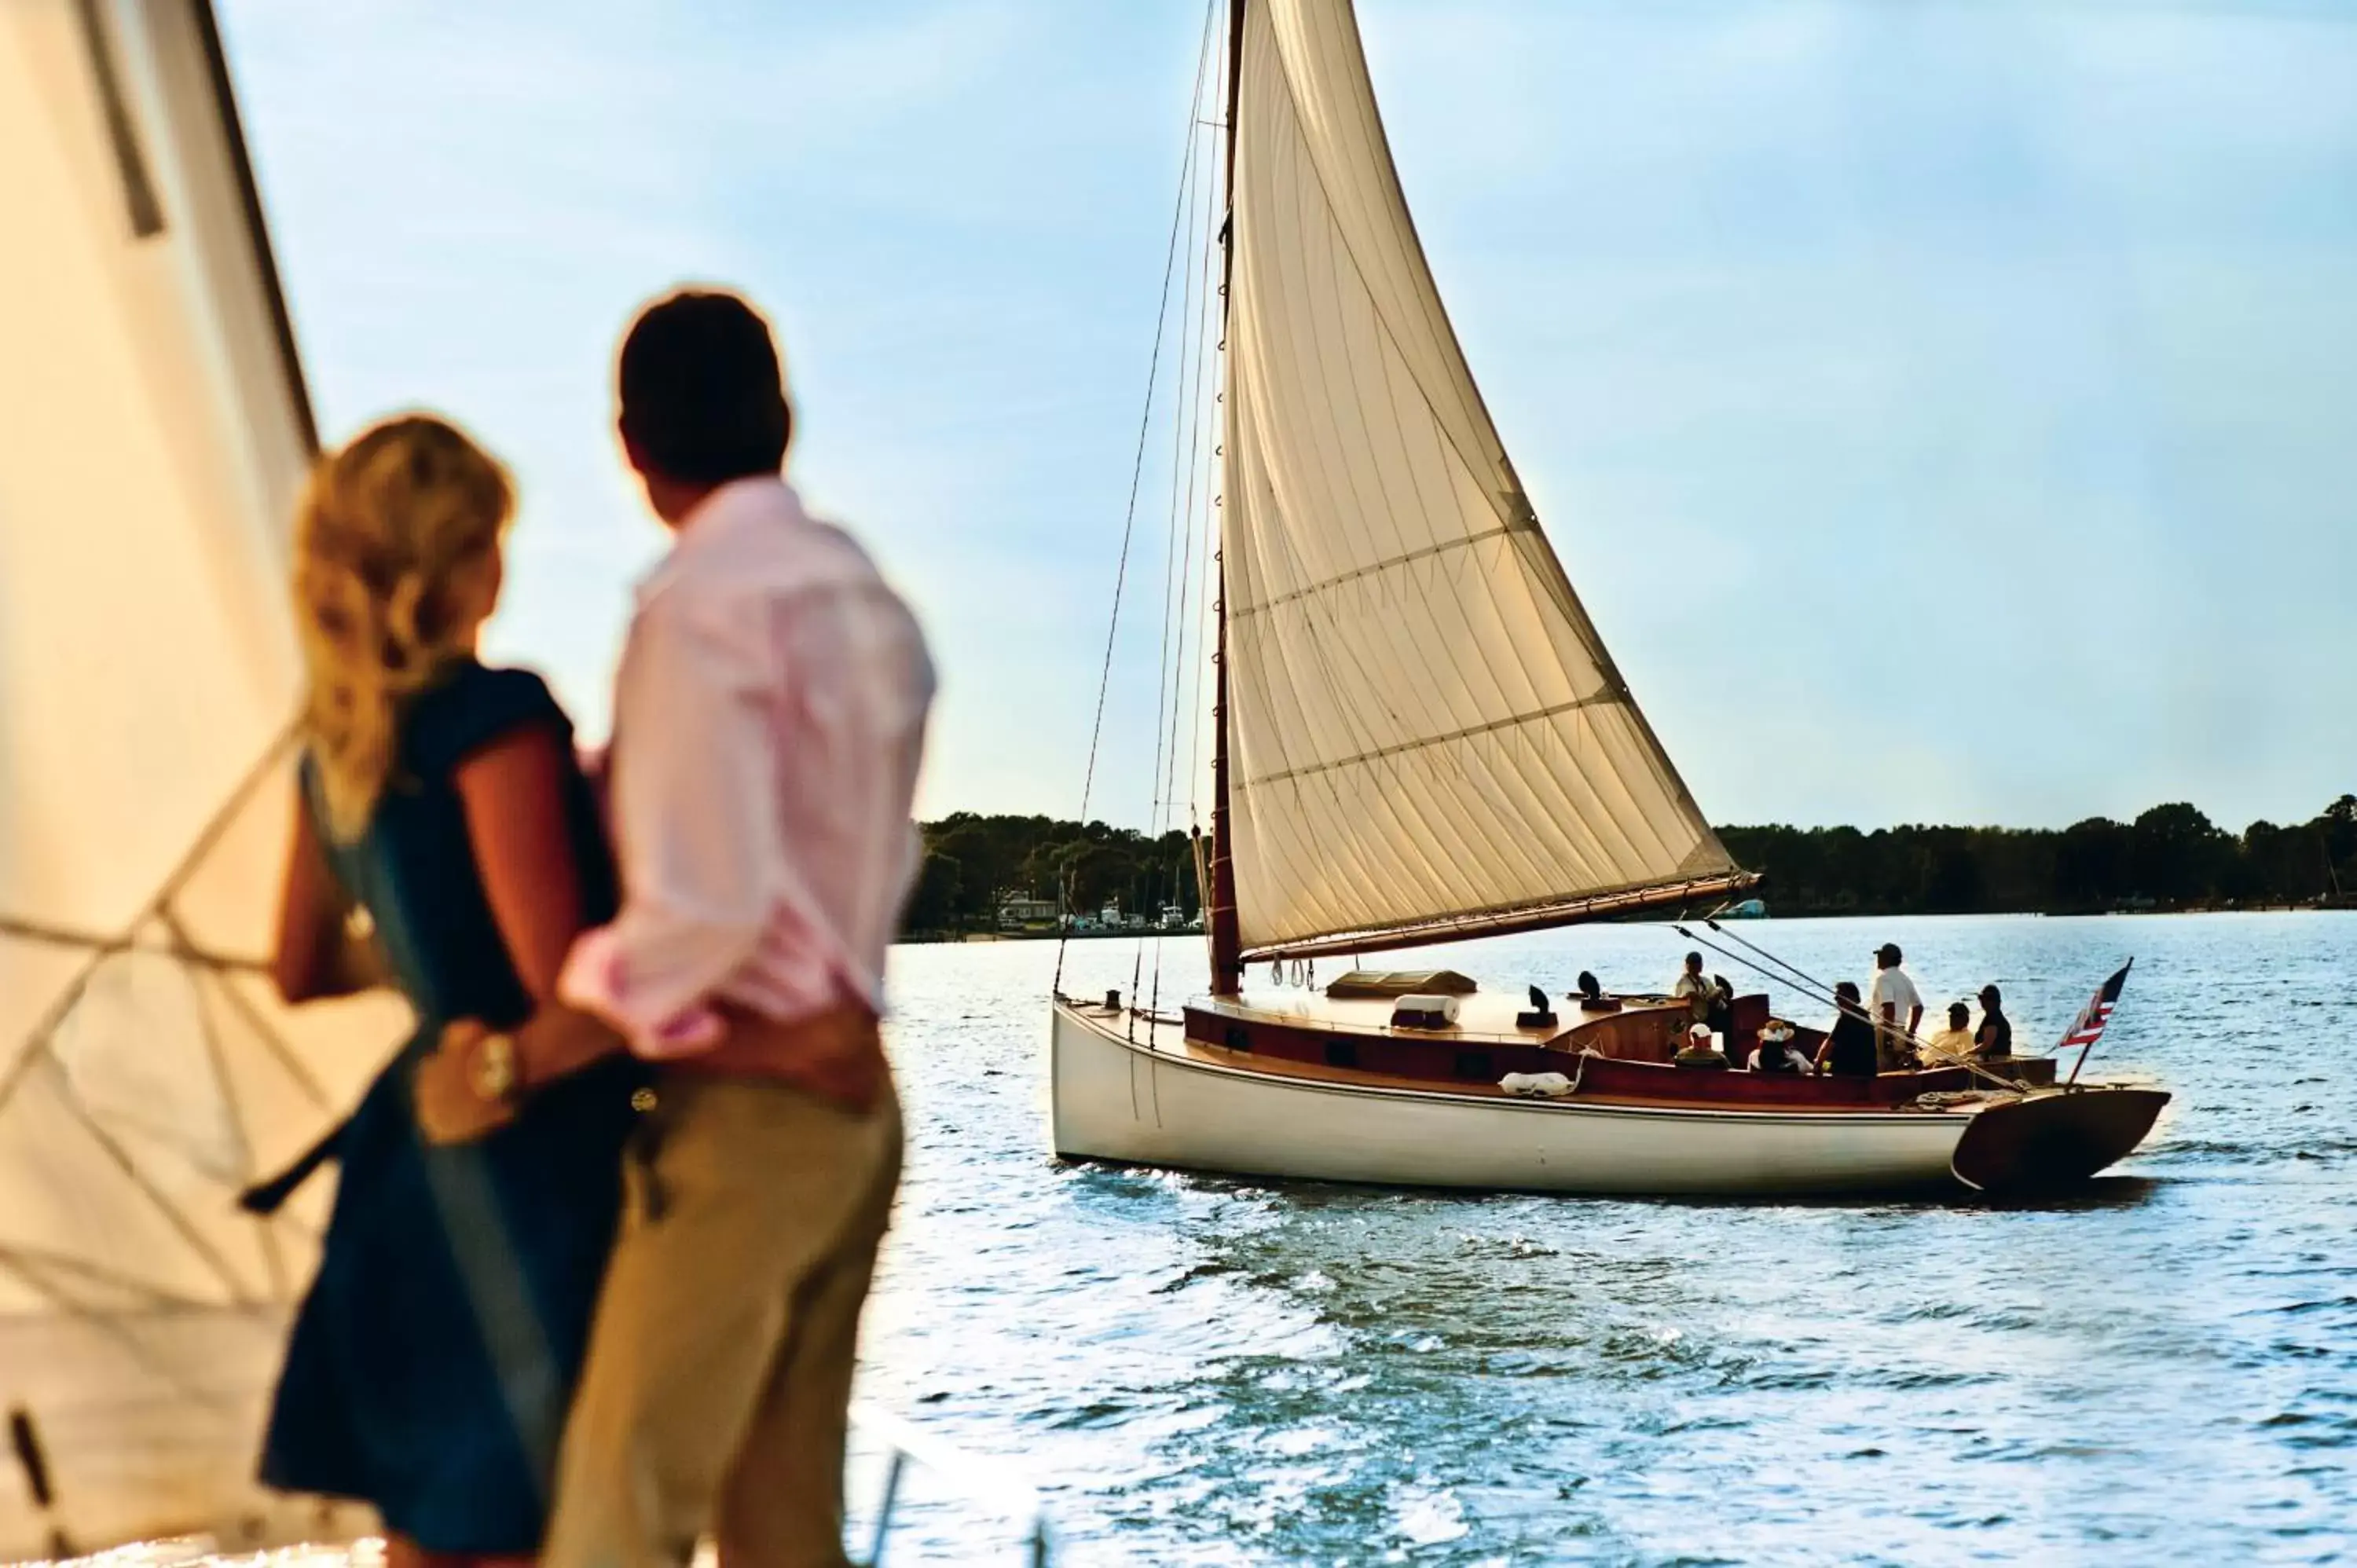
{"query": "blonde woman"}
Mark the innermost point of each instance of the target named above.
(432, 1365)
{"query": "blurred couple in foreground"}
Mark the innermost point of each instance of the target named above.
(592, 1285)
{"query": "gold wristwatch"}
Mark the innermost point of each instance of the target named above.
(495, 1075)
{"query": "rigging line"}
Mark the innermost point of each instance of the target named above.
(1206, 370)
(180, 1220)
(1138, 467)
(1804, 976)
(83, 1270)
(1191, 452)
(273, 1261)
(297, 1071)
(36, 1038)
(110, 1325)
(1210, 447)
(1163, 696)
(1198, 720)
(1185, 435)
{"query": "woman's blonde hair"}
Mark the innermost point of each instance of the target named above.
(396, 567)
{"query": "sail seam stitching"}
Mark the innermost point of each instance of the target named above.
(1373, 568)
(1511, 721)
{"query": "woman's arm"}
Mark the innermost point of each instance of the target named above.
(517, 823)
(513, 795)
(315, 956)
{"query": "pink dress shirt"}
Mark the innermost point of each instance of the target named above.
(768, 722)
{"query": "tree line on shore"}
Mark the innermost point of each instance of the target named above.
(2170, 857)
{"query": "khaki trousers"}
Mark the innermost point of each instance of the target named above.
(720, 1365)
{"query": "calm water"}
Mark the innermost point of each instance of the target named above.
(1206, 1371)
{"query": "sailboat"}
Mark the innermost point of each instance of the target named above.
(1419, 737)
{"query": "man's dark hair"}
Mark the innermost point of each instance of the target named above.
(1694, 961)
(703, 395)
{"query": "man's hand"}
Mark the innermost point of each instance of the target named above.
(448, 1088)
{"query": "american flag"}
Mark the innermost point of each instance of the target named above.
(2089, 1028)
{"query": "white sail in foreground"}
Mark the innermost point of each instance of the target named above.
(153, 433)
(1425, 728)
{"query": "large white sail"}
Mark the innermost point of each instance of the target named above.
(1425, 728)
(153, 433)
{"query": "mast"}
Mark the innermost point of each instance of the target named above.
(1227, 939)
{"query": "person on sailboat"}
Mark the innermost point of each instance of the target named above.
(1896, 1007)
(430, 1365)
(1954, 1043)
(1848, 1050)
(1694, 989)
(1702, 1049)
(769, 721)
(1775, 1053)
(1995, 1036)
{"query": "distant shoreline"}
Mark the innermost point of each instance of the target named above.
(952, 939)
(2169, 860)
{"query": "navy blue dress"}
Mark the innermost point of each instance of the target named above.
(430, 1367)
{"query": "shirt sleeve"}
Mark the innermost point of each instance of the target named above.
(694, 776)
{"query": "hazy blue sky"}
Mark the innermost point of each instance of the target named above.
(1947, 410)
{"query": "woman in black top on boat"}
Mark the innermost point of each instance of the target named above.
(1848, 1050)
(1995, 1036)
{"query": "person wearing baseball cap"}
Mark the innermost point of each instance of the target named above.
(1896, 1007)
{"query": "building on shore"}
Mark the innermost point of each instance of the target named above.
(1021, 911)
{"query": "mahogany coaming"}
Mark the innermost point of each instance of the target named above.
(1475, 1064)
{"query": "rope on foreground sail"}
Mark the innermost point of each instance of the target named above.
(1138, 470)
(177, 947)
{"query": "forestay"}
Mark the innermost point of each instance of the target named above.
(1424, 725)
(153, 433)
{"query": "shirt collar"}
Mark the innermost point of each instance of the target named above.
(762, 500)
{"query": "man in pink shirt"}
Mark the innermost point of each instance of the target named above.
(768, 722)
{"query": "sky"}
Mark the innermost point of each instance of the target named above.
(1944, 408)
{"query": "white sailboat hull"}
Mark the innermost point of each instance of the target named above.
(1117, 1100)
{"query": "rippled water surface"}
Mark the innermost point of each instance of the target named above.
(1201, 1369)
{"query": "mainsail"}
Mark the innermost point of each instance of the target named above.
(1427, 736)
(152, 432)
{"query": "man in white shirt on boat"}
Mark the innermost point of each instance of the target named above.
(1896, 1007)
